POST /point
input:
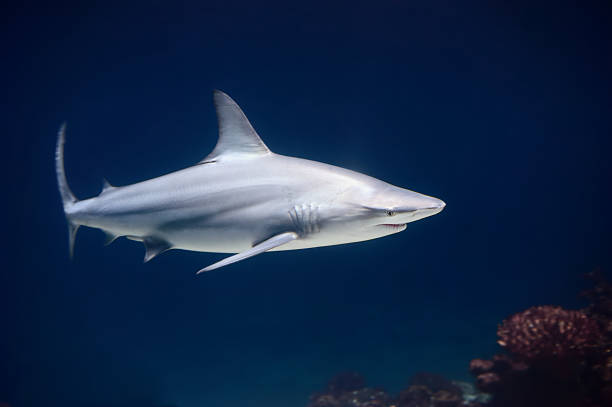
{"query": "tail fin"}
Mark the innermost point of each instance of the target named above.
(68, 198)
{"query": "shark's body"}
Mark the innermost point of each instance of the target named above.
(244, 199)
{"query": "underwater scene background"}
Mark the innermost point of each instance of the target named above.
(501, 109)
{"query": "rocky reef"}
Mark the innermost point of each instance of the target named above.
(554, 356)
(549, 356)
(424, 390)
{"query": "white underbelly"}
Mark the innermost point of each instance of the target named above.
(231, 241)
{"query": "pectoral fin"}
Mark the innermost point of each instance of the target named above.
(264, 246)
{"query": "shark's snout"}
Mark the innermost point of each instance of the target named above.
(433, 206)
(436, 204)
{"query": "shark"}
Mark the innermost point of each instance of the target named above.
(244, 200)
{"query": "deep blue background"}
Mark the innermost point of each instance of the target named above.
(502, 109)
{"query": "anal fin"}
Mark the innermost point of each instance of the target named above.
(109, 238)
(264, 246)
(154, 246)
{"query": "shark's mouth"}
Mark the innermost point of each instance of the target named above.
(393, 225)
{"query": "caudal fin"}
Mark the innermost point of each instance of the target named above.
(68, 198)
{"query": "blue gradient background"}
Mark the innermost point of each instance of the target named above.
(502, 109)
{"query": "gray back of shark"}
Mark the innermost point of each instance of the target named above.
(244, 199)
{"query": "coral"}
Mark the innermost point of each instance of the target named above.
(546, 332)
(414, 396)
(471, 396)
(430, 389)
(425, 390)
(600, 309)
(324, 400)
(434, 382)
(554, 357)
(444, 398)
(600, 297)
(557, 357)
(423, 396)
(503, 377)
(348, 389)
(539, 382)
(492, 375)
(366, 397)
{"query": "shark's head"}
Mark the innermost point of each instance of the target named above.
(390, 208)
(375, 209)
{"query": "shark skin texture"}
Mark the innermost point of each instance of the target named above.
(242, 198)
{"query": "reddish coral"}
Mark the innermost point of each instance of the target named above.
(480, 366)
(492, 375)
(545, 332)
(557, 357)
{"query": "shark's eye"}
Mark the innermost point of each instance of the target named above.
(390, 213)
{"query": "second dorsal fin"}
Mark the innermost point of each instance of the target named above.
(237, 138)
(106, 186)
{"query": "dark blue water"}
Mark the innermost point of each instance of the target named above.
(502, 109)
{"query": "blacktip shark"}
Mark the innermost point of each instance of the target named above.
(242, 198)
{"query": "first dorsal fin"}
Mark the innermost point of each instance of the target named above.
(237, 138)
